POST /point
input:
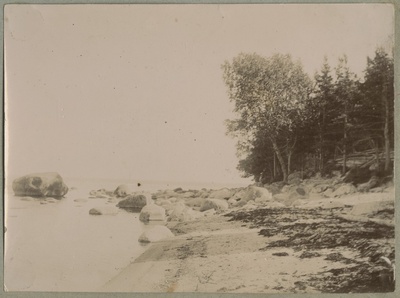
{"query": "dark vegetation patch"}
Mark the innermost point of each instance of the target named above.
(309, 254)
(280, 254)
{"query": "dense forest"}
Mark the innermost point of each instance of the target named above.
(288, 122)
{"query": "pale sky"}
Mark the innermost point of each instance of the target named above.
(136, 91)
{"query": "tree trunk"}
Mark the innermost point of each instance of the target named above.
(321, 141)
(289, 153)
(377, 156)
(280, 159)
(386, 130)
(345, 143)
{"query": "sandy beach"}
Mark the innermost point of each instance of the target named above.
(321, 246)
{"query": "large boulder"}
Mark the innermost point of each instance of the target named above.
(40, 185)
(252, 192)
(152, 212)
(155, 233)
(222, 194)
(217, 205)
(133, 203)
(124, 190)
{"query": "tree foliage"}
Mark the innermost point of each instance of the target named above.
(377, 105)
(286, 121)
(270, 97)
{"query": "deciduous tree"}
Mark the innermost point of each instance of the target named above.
(270, 96)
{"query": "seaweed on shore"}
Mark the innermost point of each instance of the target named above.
(315, 229)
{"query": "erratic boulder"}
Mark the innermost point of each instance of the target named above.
(40, 185)
(133, 203)
(155, 233)
(152, 212)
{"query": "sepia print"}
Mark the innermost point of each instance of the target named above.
(208, 148)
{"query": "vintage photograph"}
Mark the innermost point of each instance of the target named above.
(232, 148)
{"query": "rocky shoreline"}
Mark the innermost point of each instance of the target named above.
(312, 235)
(318, 235)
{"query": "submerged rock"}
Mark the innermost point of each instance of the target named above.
(156, 233)
(95, 211)
(103, 211)
(40, 185)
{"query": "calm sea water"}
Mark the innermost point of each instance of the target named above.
(58, 246)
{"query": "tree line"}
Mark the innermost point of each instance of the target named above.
(287, 121)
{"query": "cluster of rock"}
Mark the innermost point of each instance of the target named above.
(187, 205)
